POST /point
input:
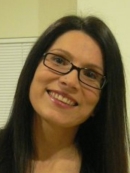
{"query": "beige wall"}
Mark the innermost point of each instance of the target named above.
(28, 18)
(51, 10)
(18, 18)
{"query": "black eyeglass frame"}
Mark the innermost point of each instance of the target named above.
(74, 68)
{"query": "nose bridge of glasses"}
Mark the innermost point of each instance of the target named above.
(73, 67)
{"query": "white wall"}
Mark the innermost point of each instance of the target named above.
(116, 13)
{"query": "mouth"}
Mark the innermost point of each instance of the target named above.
(62, 98)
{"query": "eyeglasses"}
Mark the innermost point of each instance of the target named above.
(62, 66)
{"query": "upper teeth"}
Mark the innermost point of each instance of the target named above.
(61, 98)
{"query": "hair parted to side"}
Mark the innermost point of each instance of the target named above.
(103, 138)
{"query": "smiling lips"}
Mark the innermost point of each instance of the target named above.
(62, 98)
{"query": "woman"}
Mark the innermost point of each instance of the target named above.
(69, 110)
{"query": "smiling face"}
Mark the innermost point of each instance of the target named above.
(62, 99)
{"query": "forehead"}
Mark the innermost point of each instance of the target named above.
(80, 47)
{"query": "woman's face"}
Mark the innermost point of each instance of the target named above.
(62, 99)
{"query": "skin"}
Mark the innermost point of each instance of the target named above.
(55, 121)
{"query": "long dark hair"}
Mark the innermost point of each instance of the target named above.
(102, 139)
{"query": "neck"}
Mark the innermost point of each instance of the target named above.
(52, 141)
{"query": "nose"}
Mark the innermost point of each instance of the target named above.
(70, 81)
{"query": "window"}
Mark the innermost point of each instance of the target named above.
(13, 53)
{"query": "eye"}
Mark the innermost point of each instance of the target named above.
(91, 74)
(58, 60)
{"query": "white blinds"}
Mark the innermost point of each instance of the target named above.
(13, 53)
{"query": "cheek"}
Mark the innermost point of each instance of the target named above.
(36, 86)
(42, 78)
(91, 99)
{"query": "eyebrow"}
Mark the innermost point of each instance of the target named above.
(63, 51)
(89, 65)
